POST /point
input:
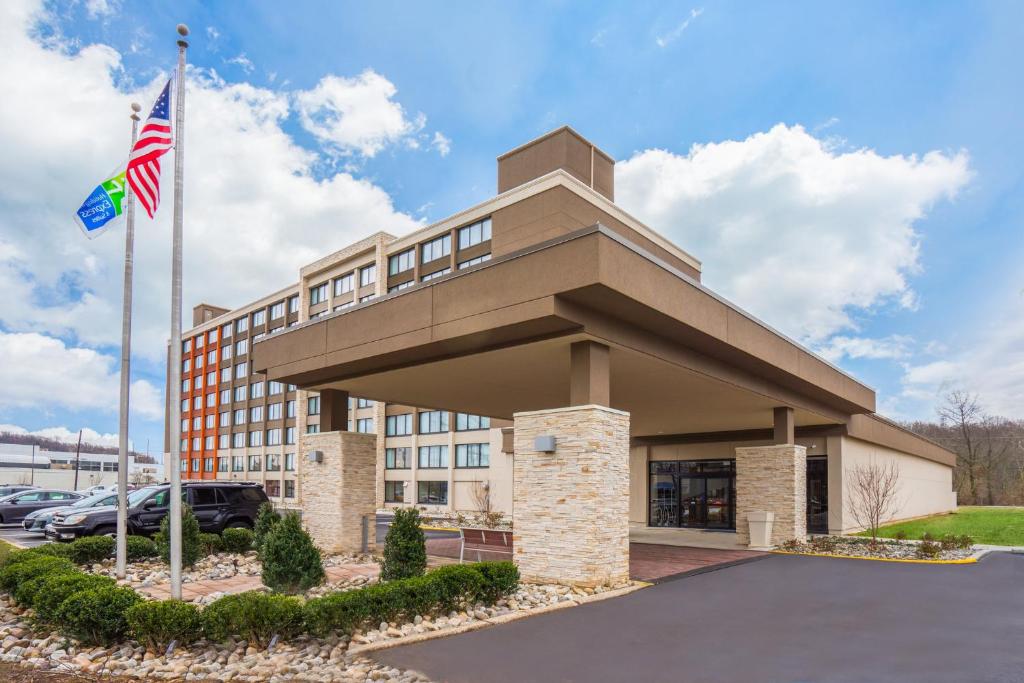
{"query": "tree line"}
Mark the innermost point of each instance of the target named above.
(43, 443)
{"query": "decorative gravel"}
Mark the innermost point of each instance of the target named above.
(847, 546)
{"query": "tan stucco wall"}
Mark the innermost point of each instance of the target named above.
(925, 487)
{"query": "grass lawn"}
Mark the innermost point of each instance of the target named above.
(993, 525)
(5, 550)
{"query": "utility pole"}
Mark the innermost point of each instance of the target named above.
(78, 455)
(33, 472)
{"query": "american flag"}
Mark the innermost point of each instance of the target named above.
(143, 171)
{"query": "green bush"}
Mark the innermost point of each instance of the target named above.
(900, 535)
(254, 616)
(191, 547)
(266, 519)
(928, 550)
(53, 550)
(456, 583)
(499, 579)
(956, 542)
(141, 548)
(97, 615)
(291, 561)
(30, 566)
(210, 544)
(237, 540)
(25, 592)
(59, 586)
(90, 549)
(158, 622)
(405, 548)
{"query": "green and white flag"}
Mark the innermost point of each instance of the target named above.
(103, 206)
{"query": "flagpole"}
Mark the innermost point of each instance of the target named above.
(126, 352)
(175, 364)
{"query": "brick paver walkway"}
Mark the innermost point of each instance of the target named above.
(240, 584)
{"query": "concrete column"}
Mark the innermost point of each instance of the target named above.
(333, 410)
(571, 507)
(785, 426)
(339, 490)
(774, 479)
(589, 374)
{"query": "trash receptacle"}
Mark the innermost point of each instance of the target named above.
(760, 523)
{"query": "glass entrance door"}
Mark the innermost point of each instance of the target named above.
(693, 493)
(817, 495)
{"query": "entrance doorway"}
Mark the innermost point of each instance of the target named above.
(693, 494)
(817, 495)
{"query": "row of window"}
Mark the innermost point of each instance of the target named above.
(467, 455)
(237, 463)
(253, 439)
(343, 285)
(433, 422)
(428, 492)
(242, 324)
(240, 393)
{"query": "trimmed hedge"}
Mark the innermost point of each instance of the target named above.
(90, 549)
(500, 579)
(210, 544)
(254, 616)
(25, 592)
(59, 586)
(24, 566)
(237, 540)
(97, 615)
(158, 622)
(141, 548)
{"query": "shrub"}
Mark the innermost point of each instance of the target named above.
(141, 548)
(254, 616)
(53, 550)
(405, 548)
(158, 622)
(499, 579)
(191, 549)
(291, 562)
(455, 584)
(928, 550)
(97, 615)
(927, 536)
(25, 592)
(90, 549)
(958, 542)
(266, 519)
(210, 544)
(824, 544)
(29, 566)
(237, 540)
(59, 586)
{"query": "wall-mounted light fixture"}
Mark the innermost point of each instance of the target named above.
(544, 444)
(315, 456)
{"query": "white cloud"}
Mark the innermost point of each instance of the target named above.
(254, 212)
(667, 39)
(357, 114)
(840, 346)
(242, 61)
(43, 373)
(101, 8)
(442, 143)
(65, 435)
(802, 235)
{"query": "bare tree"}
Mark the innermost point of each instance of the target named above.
(961, 411)
(873, 489)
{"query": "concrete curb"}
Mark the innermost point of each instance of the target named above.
(967, 560)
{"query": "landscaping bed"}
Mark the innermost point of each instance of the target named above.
(947, 549)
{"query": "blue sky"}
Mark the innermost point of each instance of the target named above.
(882, 141)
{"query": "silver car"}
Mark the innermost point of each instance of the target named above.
(37, 521)
(17, 506)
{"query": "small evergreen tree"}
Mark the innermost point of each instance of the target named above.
(291, 562)
(191, 545)
(405, 547)
(266, 519)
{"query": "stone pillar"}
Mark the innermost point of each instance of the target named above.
(571, 507)
(772, 478)
(338, 491)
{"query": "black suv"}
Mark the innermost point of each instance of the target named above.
(217, 506)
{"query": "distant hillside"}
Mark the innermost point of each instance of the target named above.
(55, 445)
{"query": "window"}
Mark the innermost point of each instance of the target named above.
(313, 405)
(207, 464)
(240, 393)
(274, 437)
(364, 425)
(210, 419)
(475, 234)
(364, 403)
(289, 462)
(240, 416)
(211, 378)
(277, 311)
(274, 488)
(196, 442)
(259, 318)
(211, 357)
(404, 285)
(433, 421)
(212, 335)
(344, 284)
(436, 248)
(398, 425)
(433, 457)
(289, 435)
(318, 294)
(368, 275)
(238, 440)
(466, 422)
(293, 304)
(435, 275)
(222, 463)
(186, 365)
(273, 462)
(197, 382)
(225, 352)
(241, 370)
(225, 395)
(199, 361)
(289, 488)
(225, 374)
(274, 388)
(433, 493)
(184, 424)
(276, 329)
(224, 441)
(238, 463)
(185, 386)
(199, 341)
(241, 325)
(195, 465)
(274, 411)
(394, 492)
(196, 422)
(290, 408)
(256, 414)
(241, 347)
(197, 402)
(342, 307)
(256, 390)
(225, 419)
(225, 331)
(184, 405)
(368, 297)
(397, 458)
(312, 429)
(472, 455)
(254, 463)
(186, 346)
(399, 263)
(256, 438)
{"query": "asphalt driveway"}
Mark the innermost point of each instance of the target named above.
(781, 619)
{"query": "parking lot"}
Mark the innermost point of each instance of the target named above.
(14, 533)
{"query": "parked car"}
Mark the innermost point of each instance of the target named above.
(37, 521)
(8, 489)
(17, 506)
(216, 505)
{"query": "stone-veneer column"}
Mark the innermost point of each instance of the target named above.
(571, 507)
(339, 491)
(772, 478)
